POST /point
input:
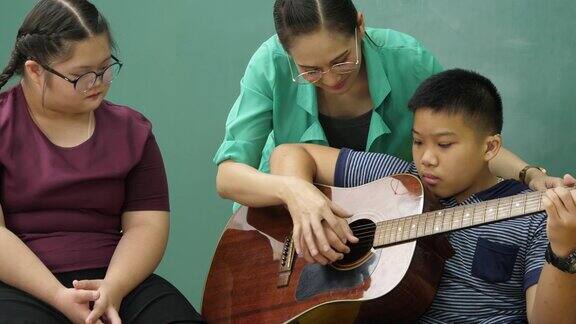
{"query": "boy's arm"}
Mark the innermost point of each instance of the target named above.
(552, 299)
(310, 162)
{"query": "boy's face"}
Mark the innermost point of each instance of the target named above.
(451, 156)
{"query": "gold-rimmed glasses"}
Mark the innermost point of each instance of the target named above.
(314, 76)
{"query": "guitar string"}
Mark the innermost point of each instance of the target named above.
(384, 226)
(445, 212)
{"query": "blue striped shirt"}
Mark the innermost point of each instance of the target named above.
(493, 265)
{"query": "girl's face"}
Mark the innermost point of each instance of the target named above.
(91, 54)
(321, 50)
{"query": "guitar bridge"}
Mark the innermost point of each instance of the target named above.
(286, 262)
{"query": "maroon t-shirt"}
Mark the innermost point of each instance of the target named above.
(66, 203)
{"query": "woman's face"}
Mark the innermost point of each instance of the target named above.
(320, 50)
(91, 54)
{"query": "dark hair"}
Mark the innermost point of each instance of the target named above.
(49, 28)
(297, 17)
(463, 92)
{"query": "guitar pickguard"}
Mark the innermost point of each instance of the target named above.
(318, 279)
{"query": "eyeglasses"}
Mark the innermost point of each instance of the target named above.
(87, 80)
(339, 68)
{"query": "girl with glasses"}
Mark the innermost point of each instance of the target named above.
(326, 78)
(84, 212)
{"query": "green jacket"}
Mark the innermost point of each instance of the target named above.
(271, 109)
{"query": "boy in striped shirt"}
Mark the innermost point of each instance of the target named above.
(498, 273)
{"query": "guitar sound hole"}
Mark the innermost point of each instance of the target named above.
(364, 230)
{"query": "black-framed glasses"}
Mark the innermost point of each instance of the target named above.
(87, 80)
(338, 68)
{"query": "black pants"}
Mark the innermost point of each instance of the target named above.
(154, 301)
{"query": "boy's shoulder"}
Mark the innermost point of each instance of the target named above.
(354, 168)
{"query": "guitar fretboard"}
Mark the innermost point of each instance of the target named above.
(412, 227)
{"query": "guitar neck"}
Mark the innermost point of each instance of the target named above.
(413, 227)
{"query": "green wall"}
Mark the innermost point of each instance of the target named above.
(184, 60)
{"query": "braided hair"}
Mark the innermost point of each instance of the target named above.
(48, 30)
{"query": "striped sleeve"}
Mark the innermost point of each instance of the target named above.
(534, 260)
(357, 168)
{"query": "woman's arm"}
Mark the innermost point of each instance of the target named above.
(507, 165)
(248, 186)
(21, 268)
(294, 170)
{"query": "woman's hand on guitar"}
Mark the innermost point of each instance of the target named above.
(543, 182)
(320, 228)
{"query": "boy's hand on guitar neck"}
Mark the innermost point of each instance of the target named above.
(560, 204)
(320, 228)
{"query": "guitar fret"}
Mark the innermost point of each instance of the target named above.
(438, 219)
(378, 235)
(479, 212)
(465, 216)
(429, 225)
(540, 202)
(421, 224)
(533, 202)
(457, 219)
(409, 228)
(492, 209)
(517, 205)
(524, 203)
(383, 232)
(389, 231)
(446, 220)
(413, 230)
(415, 226)
(396, 231)
(402, 228)
(392, 233)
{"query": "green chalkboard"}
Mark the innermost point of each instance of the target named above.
(184, 60)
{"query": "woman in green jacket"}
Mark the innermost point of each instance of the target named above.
(325, 78)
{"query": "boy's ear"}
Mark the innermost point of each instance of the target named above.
(492, 146)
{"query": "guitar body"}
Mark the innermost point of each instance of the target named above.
(249, 283)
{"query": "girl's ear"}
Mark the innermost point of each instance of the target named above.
(34, 72)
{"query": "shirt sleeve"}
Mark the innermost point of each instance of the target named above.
(146, 184)
(534, 260)
(249, 122)
(355, 168)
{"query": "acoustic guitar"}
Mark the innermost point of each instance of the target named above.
(389, 276)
